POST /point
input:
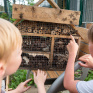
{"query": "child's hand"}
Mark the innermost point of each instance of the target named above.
(72, 46)
(22, 87)
(40, 78)
(88, 59)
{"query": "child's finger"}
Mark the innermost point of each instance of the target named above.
(34, 74)
(45, 74)
(41, 71)
(72, 38)
(38, 71)
(27, 88)
(81, 64)
(27, 81)
(83, 59)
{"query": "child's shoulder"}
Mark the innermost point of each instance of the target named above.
(2, 91)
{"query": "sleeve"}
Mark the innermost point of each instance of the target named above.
(2, 91)
(85, 86)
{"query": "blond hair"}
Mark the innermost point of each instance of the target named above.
(10, 38)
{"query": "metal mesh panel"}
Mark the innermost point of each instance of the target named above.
(88, 11)
(38, 49)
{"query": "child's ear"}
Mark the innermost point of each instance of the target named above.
(2, 69)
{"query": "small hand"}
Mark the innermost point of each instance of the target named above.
(40, 78)
(22, 87)
(72, 46)
(88, 59)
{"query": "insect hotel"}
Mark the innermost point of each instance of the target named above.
(45, 33)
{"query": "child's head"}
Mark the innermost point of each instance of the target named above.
(90, 37)
(10, 47)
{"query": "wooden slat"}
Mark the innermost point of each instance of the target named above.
(45, 14)
(52, 50)
(39, 2)
(52, 74)
(89, 25)
(79, 40)
(48, 77)
(18, 20)
(81, 53)
(84, 48)
(59, 72)
(7, 82)
(83, 32)
(34, 53)
(48, 35)
(53, 4)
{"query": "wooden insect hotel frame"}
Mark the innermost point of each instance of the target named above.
(45, 33)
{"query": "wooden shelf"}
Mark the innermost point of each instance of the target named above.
(38, 52)
(34, 53)
(48, 35)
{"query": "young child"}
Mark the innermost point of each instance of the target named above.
(76, 86)
(10, 57)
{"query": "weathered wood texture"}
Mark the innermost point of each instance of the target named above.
(18, 20)
(89, 25)
(52, 74)
(83, 33)
(84, 47)
(54, 15)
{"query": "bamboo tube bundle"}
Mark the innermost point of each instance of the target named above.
(40, 32)
(53, 32)
(57, 33)
(41, 61)
(31, 60)
(35, 31)
(29, 30)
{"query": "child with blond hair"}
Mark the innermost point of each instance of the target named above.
(10, 57)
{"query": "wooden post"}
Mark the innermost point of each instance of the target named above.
(39, 2)
(63, 4)
(53, 4)
(18, 20)
(7, 82)
(52, 49)
(79, 40)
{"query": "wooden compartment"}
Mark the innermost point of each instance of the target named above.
(44, 44)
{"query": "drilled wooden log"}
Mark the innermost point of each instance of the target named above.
(53, 32)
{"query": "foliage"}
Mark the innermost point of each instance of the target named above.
(30, 2)
(12, 20)
(4, 16)
(18, 77)
(90, 75)
(78, 73)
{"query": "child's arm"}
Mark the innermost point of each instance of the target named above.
(40, 80)
(69, 82)
(88, 59)
(22, 87)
